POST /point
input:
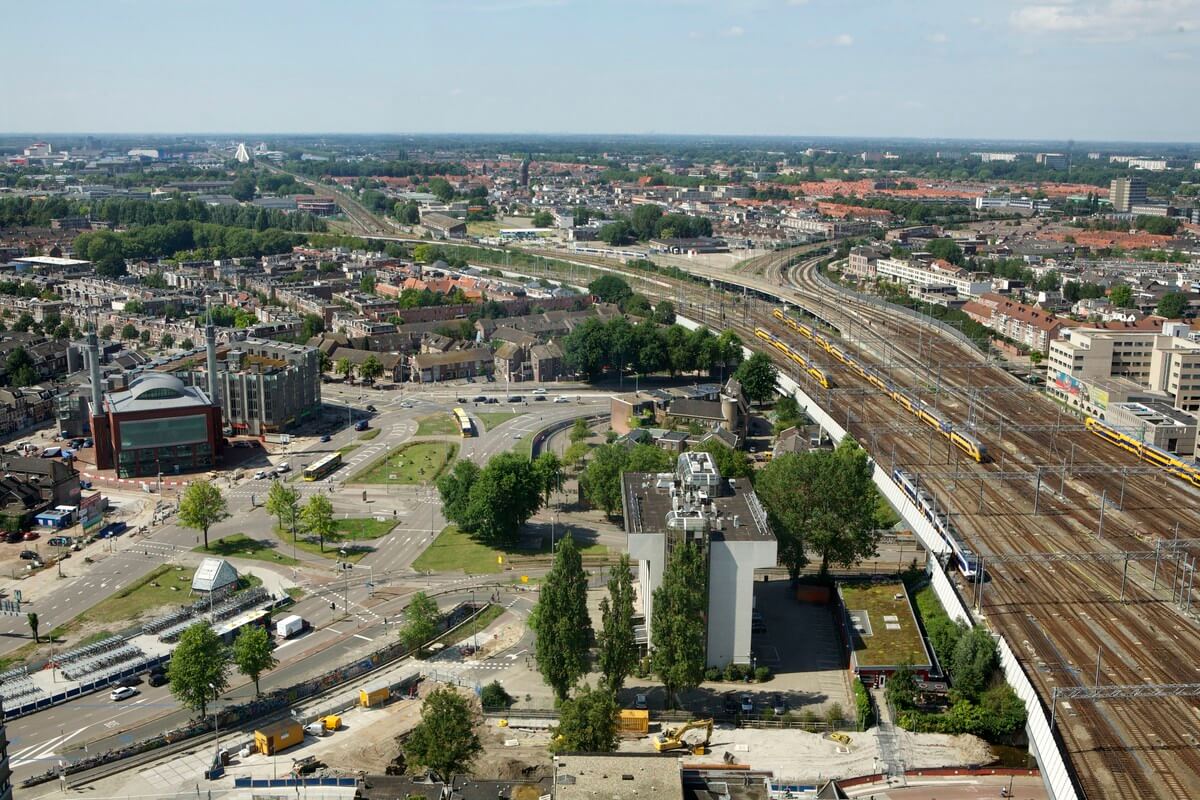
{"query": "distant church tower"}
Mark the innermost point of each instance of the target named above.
(525, 173)
(241, 155)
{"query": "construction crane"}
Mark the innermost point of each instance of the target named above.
(672, 738)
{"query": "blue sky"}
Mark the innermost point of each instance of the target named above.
(1016, 69)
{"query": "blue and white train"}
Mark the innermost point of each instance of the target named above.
(964, 558)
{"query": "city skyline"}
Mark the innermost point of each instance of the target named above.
(1088, 71)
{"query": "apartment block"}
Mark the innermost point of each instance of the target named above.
(1127, 192)
(934, 273)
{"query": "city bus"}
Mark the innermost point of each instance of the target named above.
(465, 427)
(322, 467)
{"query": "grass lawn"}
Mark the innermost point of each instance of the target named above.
(493, 418)
(165, 585)
(477, 625)
(416, 462)
(363, 528)
(436, 425)
(239, 545)
(354, 552)
(350, 448)
(885, 515)
(454, 550)
(524, 445)
(368, 435)
(884, 647)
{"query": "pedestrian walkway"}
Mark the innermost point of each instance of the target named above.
(891, 756)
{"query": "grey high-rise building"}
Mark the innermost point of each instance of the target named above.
(1126, 193)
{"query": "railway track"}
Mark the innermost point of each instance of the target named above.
(1057, 614)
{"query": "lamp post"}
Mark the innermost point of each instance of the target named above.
(216, 726)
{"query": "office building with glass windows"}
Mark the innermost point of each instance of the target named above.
(157, 425)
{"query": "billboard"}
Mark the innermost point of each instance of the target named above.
(164, 432)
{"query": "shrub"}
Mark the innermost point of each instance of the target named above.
(762, 674)
(712, 674)
(862, 706)
(494, 696)
(835, 714)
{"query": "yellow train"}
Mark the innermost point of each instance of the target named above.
(1146, 452)
(807, 366)
(930, 416)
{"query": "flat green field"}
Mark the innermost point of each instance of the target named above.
(441, 424)
(239, 545)
(416, 462)
(367, 436)
(454, 550)
(163, 586)
(491, 419)
(363, 528)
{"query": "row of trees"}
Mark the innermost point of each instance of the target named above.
(596, 347)
(108, 250)
(649, 222)
(492, 503)
(199, 668)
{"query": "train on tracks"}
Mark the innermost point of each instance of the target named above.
(815, 372)
(964, 441)
(965, 559)
(1168, 462)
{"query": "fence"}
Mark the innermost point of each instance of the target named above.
(267, 708)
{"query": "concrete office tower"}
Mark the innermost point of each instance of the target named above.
(1126, 193)
(210, 355)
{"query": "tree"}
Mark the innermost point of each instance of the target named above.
(820, 503)
(601, 479)
(560, 621)
(580, 430)
(444, 740)
(677, 626)
(128, 331)
(284, 502)
(504, 496)
(1121, 296)
(542, 219)
(167, 341)
(616, 233)
(199, 668)
(252, 653)
(730, 463)
(243, 188)
(106, 332)
(946, 249)
(901, 689)
(422, 621)
(144, 336)
(664, 312)
(1172, 305)
(186, 344)
(105, 251)
(493, 696)
(201, 507)
(728, 353)
(18, 365)
(548, 469)
(366, 284)
(344, 367)
(455, 490)
(409, 213)
(370, 368)
(974, 660)
(610, 289)
(317, 517)
(758, 377)
(616, 643)
(587, 723)
(32, 619)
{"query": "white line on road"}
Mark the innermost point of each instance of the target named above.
(365, 638)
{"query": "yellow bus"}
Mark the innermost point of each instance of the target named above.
(465, 426)
(322, 467)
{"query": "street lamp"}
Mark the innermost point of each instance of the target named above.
(216, 726)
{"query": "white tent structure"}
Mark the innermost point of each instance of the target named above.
(213, 574)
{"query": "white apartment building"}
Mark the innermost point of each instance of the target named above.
(1166, 364)
(936, 273)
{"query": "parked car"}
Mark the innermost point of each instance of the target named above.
(31, 536)
(539, 397)
(480, 398)
(561, 399)
(325, 437)
(13, 537)
(639, 702)
(88, 442)
(372, 409)
(747, 704)
(258, 476)
(779, 705)
(729, 702)
(361, 425)
(515, 398)
(122, 693)
(157, 678)
(283, 467)
(27, 555)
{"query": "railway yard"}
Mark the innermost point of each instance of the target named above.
(1084, 546)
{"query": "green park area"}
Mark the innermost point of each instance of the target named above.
(239, 545)
(416, 462)
(440, 424)
(491, 419)
(350, 542)
(454, 550)
(368, 435)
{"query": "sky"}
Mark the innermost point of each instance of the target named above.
(1006, 69)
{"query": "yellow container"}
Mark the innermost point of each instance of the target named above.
(373, 697)
(278, 737)
(633, 720)
(332, 722)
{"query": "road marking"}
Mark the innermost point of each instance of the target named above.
(112, 723)
(334, 630)
(360, 636)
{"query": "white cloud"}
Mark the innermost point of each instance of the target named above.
(736, 30)
(938, 38)
(1107, 20)
(843, 40)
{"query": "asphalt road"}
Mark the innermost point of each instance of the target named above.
(354, 627)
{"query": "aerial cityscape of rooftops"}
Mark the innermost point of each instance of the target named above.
(571, 466)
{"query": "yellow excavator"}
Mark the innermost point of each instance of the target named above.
(672, 738)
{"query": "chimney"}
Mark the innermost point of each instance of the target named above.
(93, 357)
(210, 347)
